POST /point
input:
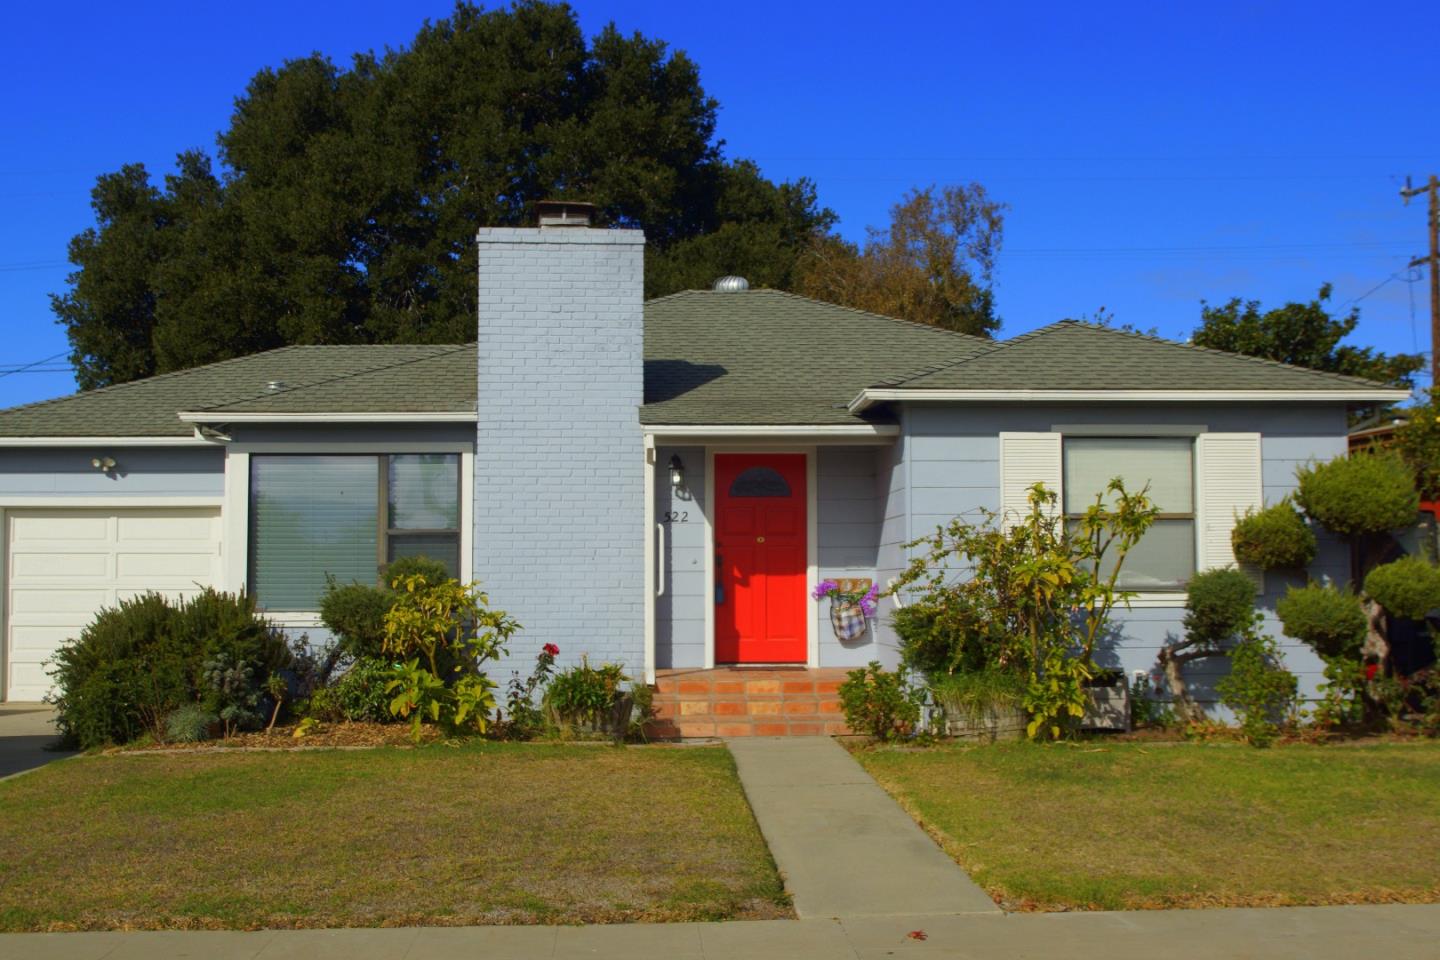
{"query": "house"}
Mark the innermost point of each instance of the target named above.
(660, 483)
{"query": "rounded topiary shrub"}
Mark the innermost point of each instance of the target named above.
(1408, 587)
(1274, 538)
(1326, 619)
(1219, 604)
(1357, 495)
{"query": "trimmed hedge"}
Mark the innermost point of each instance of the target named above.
(1274, 538)
(1219, 604)
(1408, 587)
(1326, 619)
(1361, 494)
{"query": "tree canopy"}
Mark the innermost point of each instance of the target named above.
(1303, 334)
(933, 264)
(346, 200)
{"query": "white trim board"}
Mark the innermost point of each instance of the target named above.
(50, 501)
(869, 397)
(443, 416)
(741, 433)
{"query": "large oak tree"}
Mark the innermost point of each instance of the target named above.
(345, 201)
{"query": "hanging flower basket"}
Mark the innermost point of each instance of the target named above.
(849, 611)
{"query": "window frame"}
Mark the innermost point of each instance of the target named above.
(1192, 516)
(383, 531)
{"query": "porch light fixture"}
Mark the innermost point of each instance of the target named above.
(104, 464)
(677, 473)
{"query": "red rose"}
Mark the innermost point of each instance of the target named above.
(1370, 670)
(551, 649)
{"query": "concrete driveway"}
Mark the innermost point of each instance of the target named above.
(26, 729)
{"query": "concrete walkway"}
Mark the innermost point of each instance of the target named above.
(1301, 933)
(26, 730)
(844, 847)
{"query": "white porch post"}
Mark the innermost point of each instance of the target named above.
(650, 558)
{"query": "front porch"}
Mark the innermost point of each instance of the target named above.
(748, 702)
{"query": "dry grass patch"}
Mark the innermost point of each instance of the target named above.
(1130, 826)
(478, 833)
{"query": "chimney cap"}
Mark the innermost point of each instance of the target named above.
(564, 213)
(731, 284)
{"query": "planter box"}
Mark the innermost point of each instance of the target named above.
(614, 724)
(1108, 708)
(988, 727)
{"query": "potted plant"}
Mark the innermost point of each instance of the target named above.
(589, 701)
(852, 604)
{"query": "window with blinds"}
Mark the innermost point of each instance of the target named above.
(1164, 559)
(346, 516)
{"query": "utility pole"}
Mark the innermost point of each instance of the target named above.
(1432, 188)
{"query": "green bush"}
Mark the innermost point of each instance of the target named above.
(584, 695)
(879, 703)
(1219, 604)
(1326, 619)
(1274, 538)
(355, 612)
(189, 724)
(1408, 587)
(358, 696)
(1418, 442)
(1259, 689)
(936, 644)
(136, 663)
(1362, 494)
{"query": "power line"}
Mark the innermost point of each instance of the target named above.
(29, 367)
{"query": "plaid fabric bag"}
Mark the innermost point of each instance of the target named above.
(848, 619)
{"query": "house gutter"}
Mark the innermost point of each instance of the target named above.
(871, 396)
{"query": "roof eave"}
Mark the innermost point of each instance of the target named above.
(395, 416)
(871, 396)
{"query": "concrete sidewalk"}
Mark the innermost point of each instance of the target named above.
(844, 847)
(1299, 933)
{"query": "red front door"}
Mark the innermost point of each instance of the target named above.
(760, 558)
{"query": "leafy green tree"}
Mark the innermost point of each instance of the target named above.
(934, 263)
(1302, 334)
(347, 198)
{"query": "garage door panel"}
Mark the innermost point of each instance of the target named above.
(197, 529)
(56, 565)
(63, 566)
(52, 526)
(130, 566)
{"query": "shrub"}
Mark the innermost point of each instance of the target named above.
(358, 695)
(880, 703)
(228, 625)
(1326, 619)
(1259, 689)
(403, 568)
(523, 717)
(355, 612)
(1408, 587)
(189, 724)
(1363, 494)
(1418, 443)
(1219, 604)
(234, 692)
(584, 695)
(1274, 538)
(447, 630)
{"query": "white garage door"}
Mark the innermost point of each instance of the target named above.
(63, 565)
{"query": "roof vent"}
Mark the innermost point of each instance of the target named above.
(731, 284)
(275, 386)
(564, 213)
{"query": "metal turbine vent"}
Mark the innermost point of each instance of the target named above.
(731, 284)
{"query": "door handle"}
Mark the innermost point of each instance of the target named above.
(719, 580)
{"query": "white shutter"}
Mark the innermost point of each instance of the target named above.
(1025, 460)
(1228, 482)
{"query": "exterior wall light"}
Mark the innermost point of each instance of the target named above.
(677, 473)
(103, 464)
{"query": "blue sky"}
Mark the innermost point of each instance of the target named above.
(1153, 155)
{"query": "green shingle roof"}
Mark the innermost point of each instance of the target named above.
(333, 378)
(757, 357)
(766, 357)
(1071, 355)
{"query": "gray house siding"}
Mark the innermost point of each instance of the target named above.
(159, 472)
(953, 459)
(848, 531)
(559, 491)
(680, 610)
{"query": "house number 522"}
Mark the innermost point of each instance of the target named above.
(676, 516)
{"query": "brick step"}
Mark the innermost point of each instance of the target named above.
(709, 726)
(747, 701)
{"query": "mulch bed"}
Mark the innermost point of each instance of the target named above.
(327, 735)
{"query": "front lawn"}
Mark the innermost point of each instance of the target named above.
(1134, 826)
(480, 833)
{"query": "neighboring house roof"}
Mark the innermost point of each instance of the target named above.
(766, 357)
(420, 378)
(758, 357)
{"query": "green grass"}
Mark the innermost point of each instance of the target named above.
(1135, 826)
(480, 833)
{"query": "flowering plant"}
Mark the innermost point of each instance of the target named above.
(523, 716)
(867, 601)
